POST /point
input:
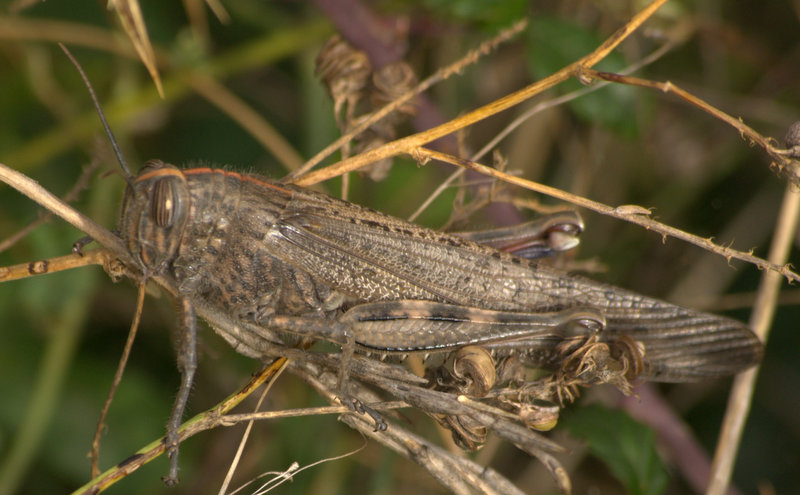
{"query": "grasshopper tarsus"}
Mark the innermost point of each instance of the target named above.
(170, 480)
(77, 246)
(359, 407)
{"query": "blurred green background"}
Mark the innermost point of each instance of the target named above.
(61, 335)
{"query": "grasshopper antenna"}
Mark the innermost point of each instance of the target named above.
(99, 109)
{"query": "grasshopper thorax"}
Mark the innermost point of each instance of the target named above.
(154, 214)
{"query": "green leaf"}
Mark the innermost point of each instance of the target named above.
(490, 15)
(553, 44)
(626, 446)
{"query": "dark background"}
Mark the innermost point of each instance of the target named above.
(61, 335)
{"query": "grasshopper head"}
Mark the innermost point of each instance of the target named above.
(154, 214)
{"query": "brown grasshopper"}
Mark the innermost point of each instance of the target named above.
(274, 258)
(261, 260)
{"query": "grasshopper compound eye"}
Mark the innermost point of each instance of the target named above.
(154, 215)
(163, 202)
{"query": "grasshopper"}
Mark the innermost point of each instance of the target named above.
(275, 258)
(266, 262)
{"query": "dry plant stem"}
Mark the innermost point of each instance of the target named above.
(409, 143)
(200, 422)
(80, 185)
(536, 109)
(227, 481)
(440, 75)
(458, 474)
(24, 270)
(130, 15)
(760, 321)
(778, 154)
(123, 360)
(43, 197)
(629, 213)
(235, 419)
(39, 30)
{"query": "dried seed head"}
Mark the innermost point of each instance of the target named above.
(792, 137)
(475, 365)
(467, 433)
(390, 82)
(345, 72)
(631, 354)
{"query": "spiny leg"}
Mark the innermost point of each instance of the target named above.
(187, 364)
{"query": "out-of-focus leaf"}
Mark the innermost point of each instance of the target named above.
(554, 43)
(624, 445)
(492, 15)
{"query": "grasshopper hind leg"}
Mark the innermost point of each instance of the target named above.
(348, 400)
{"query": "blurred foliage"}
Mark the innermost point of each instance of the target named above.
(627, 447)
(554, 43)
(61, 335)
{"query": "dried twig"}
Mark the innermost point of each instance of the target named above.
(783, 161)
(440, 75)
(630, 213)
(760, 322)
(410, 143)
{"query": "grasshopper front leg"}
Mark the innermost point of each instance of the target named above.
(187, 364)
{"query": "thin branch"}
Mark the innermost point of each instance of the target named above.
(235, 419)
(630, 213)
(783, 158)
(45, 198)
(200, 422)
(536, 109)
(760, 321)
(24, 270)
(123, 360)
(439, 75)
(409, 143)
